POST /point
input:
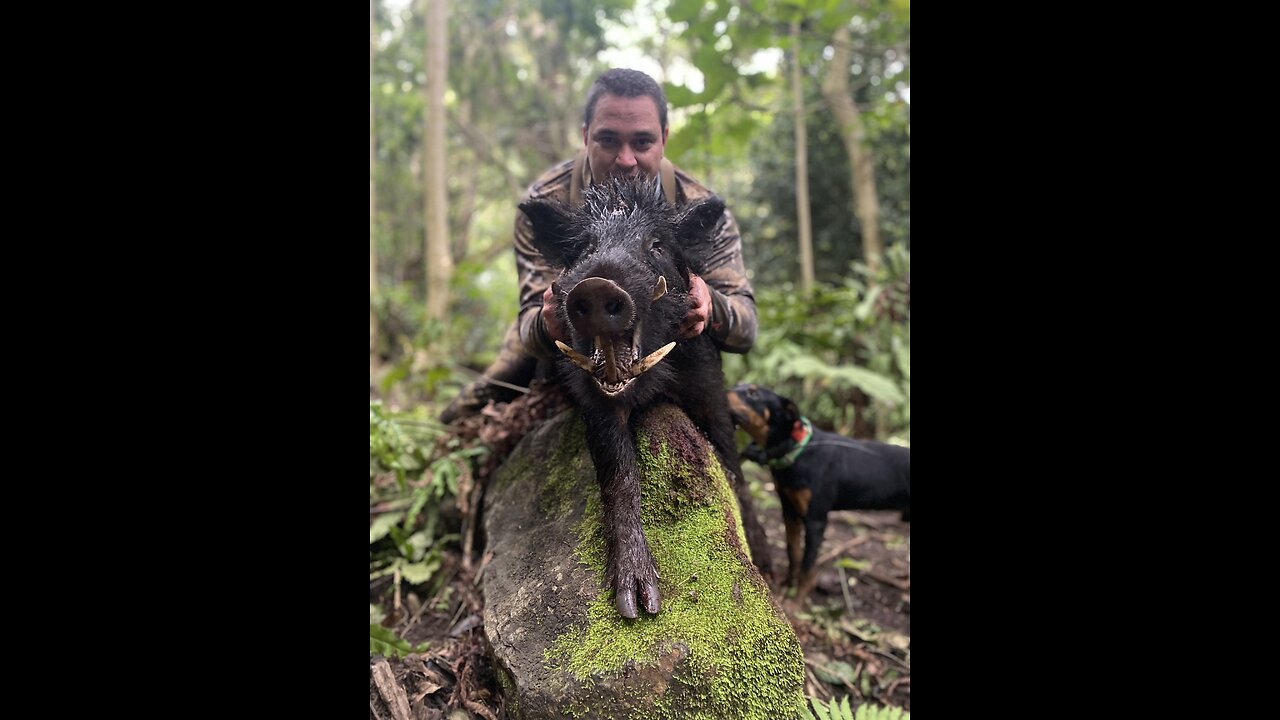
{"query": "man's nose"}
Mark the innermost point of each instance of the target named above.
(626, 158)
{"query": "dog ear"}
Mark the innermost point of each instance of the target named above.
(553, 233)
(790, 412)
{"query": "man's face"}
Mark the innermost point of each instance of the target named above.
(625, 137)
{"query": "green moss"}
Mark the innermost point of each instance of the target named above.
(569, 462)
(508, 686)
(741, 654)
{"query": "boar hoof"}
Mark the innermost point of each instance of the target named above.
(631, 584)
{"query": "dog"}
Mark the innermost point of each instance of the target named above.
(815, 472)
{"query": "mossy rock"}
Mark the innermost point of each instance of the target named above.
(719, 649)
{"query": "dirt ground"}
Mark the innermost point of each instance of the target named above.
(854, 629)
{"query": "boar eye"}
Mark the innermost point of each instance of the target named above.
(656, 248)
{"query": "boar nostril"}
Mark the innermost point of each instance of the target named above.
(599, 306)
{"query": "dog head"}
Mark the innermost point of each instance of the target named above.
(766, 416)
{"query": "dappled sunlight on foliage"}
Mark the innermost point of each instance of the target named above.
(844, 352)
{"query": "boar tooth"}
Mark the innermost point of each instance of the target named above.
(652, 360)
(576, 357)
(661, 288)
(610, 362)
(635, 342)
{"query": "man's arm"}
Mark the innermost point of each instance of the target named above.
(536, 275)
(732, 325)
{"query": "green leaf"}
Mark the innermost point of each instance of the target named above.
(376, 616)
(716, 72)
(384, 641)
(902, 351)
(845, 712)
(851, 564)
(382, 525)
(416, 545)
(684, 10)
(679, 95)
(872, 383)
(420, 497)
(831, 20)
(836, 672)
(820, 709)
(863, 311)
(881, 712)
(419, 573)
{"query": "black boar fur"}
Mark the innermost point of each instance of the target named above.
(615, 249)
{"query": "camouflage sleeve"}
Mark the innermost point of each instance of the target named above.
(536, 275)
(732, 325)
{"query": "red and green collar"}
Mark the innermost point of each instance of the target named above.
(801, 434)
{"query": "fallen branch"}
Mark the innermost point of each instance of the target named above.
(903, 585)
(839, 550)
(391, 691)
(479, 709)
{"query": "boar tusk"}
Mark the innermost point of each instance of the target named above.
(610, 362)
(576, 357)
(661, 288)
(652, 359)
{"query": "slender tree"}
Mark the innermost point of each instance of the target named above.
(373, 205)
(835, 88)
(802, 166)
(439, 260)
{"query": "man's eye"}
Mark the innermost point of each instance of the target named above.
(643, 144)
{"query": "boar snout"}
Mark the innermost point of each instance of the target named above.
(599, 307)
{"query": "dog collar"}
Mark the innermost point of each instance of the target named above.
(801, 436)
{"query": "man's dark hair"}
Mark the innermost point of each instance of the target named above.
(625, 83)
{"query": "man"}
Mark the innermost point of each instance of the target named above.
(624, 132)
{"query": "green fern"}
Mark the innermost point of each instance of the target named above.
(840, 710)
(384, 641)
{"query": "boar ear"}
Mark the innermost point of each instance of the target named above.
(698, 220)
(695, 229)
(552, 234)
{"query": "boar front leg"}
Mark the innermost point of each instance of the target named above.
(630, 569)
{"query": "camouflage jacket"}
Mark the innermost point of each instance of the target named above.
(732, 325)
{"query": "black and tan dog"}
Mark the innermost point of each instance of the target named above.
(816, 472)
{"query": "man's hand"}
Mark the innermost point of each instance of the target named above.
(549, 321)
(699, 309)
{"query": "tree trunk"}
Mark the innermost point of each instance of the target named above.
(439, 262)
(835, 88)
(466, 176)
(802, 167)
(373, 253)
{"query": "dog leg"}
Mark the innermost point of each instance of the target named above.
(808, 579)
(795, 545)
(813, 532)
